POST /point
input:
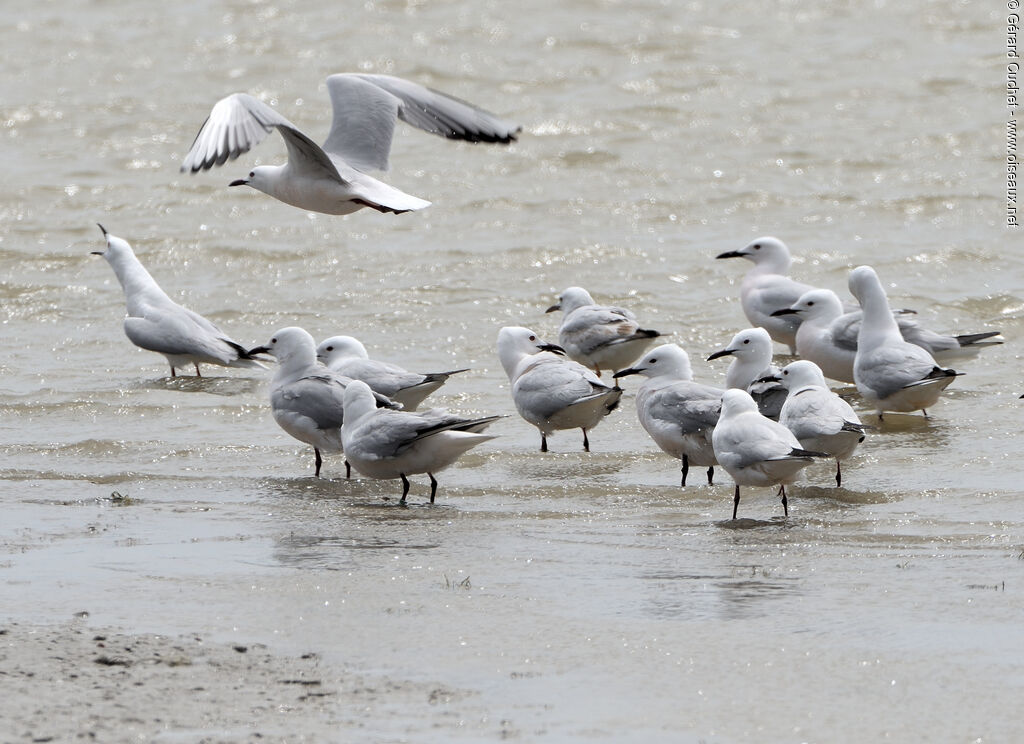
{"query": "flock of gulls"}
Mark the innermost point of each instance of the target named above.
(763, 428)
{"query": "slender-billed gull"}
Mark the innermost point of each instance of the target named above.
(752, 370)
(891, 374)
(599, 336)
(820, 419)
(755, 450)
(306, 399)
(828, 335)
(767, 288)
(383, 443)
(677, 412)
(347, 356)
(157, 323)
(550, 391)
(332, 179)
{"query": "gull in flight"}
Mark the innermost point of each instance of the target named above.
(752, 370)
(828, 335)
(891, 374)
(755, 450)
(677, 412)
(550, 391)
(599, 336)
(306, 399)
(332, 178)
(820, 419)
(347, 356)
(382, 443)
(157, 323)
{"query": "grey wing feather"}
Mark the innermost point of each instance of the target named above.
(318, 398)
(365, 108)
(235, 125)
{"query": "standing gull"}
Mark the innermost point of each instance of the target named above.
(828, 335)
(820, 419)
(599, 336)
(755, 450)
(752, 370)
(332, 179)
(347, 356)
(382, 443)
(767, 288)
(550, 391)
(677, 412)
(306, 400)
(157, 323)
(891, 374)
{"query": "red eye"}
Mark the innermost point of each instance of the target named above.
(757, 246)
(533, 338)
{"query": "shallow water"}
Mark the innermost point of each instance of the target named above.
(566, 596)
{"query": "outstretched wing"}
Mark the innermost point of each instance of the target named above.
(240, 122)
(366, 106)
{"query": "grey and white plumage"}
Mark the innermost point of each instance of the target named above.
(752, 369)
(828, 335)
(383, 443)
(600, 336)
(767, 288)
(550, 391)
(157, 323)
(755, 450)
(677, 412)
(347, 356)
(820, 419)
(891, 373)
(333, 179)
(307, 399)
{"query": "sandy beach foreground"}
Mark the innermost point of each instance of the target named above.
(73, 682)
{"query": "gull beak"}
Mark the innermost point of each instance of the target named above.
(553, 348)
(769, 378)
(239, 182)
(627, 371)
(259, 350)
(721, 353)
(785, 311)
(102, 228)
(731, 254)
(556, 306)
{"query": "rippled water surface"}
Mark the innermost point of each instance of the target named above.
(559, 596)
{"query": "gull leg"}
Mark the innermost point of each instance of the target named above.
(543, 442)
(319, 461)
(433, 487)
(686, 469)
(924, 412)
(348, 469)
(785, 503)
(405, 488)
(711, 475)
(196, 364)
(586, 442)
(736, 501)
(839, 474)
(173, 373)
